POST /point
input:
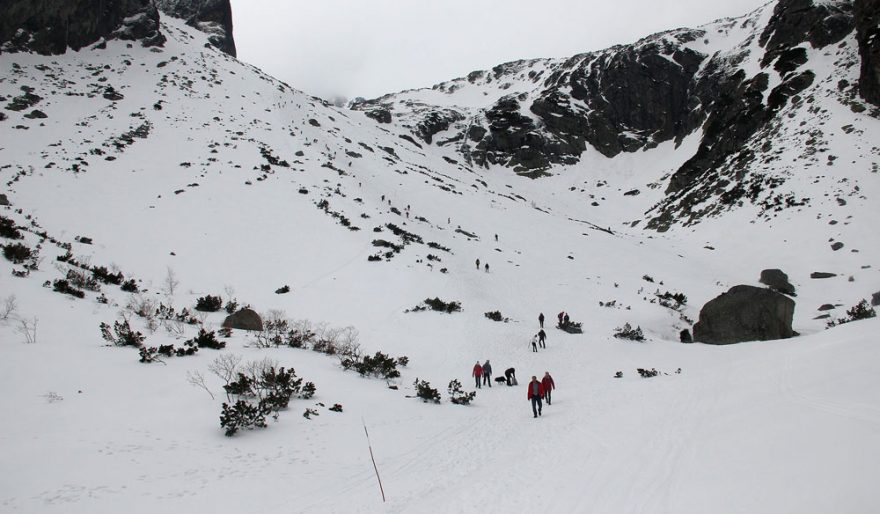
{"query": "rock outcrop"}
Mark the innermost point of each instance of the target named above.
(213, 17)
(745, 313)
(867, 19)
(52, 26)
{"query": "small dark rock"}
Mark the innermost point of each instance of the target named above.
(777, 280)
(685, 336)
(825, 307)
(822, 274)
(36, 114)
(4, 200)
(837, 246)
(875, 299)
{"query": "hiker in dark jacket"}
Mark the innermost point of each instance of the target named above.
(536, 392)
(541, 319)
(510, 375)
(548, 385)
(565, 320)
(478, 373)
(560, 316)
(487, 373)
(478, 264)
(542, 338)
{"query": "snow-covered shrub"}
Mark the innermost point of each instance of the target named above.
(859, 311)
(458, 396)
(122, 334)
(403, 361)
(283, 290)
(378, 365)
(627, 332)
(142, 306)
(104, 275)
(207, 339)
(439, 305)
(64, 287)
(496, 316)
(671, 300)
(231, 306)
(209, 303)
(129, 286)
(241, 414)
(256, 390)
(336, 407)
(8, 229)
(17, 253)
(79, 278)
(426, 392)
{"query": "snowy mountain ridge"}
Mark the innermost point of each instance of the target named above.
(192, 174)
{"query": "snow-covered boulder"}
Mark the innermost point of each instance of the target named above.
(244, 319)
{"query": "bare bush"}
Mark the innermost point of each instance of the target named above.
(8, 308)
(169, 286)
(28, 329)
(141, 305)
(196, 379)
(225, 367)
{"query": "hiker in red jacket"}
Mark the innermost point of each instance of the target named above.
(478, 373)
(536, 392)
(548, 385)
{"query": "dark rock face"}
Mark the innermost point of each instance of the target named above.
(51, 26)
(436, 122)
(867, 14)
(214, 17)
(245, 319)
(777, 280)
(745, 313)
(875, 299)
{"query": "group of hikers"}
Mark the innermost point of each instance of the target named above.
(538, 391)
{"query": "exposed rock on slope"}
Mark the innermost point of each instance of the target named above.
(51, 26)
(213, 17)
(867, 14)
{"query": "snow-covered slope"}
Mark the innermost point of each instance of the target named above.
(182, 162)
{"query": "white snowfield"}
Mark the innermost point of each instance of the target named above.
(762, 427)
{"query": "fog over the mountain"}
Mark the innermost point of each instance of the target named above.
(334, 48)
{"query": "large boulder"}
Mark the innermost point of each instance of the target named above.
(745, 313)
(244, 319)
(777, 280)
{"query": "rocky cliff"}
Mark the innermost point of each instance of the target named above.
(727, 83)
(52, 26)
(213, 17)
(868, 26)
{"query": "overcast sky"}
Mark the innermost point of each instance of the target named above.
(370, 47)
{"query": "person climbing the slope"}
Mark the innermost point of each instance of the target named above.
(487, 373)
(478, 373)
(542, 338)
(541, 319)
(478, 264)
(548, 385)
(560, 316)
(535, 343)
(535, 393)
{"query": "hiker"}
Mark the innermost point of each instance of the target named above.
(548, 385)
(536, 392)
(535, 343)
(510, 375)
(541, 319)
(487, 267)
(496, 238)
(565, 320)
(542, 338)
(487, 373)
(560, 315)
(478, 373)
(478, 264)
